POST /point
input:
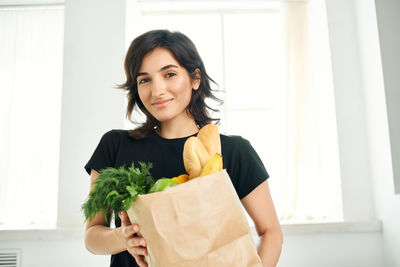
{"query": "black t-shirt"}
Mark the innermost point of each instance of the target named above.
(116, 148)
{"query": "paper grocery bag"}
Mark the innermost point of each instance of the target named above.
(194, 224)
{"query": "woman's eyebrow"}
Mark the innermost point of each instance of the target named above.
(163, 68)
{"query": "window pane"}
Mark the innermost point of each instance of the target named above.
(264, 130)
(254, 58)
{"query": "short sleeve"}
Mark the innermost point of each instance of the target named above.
(248, 171)
(105, 152)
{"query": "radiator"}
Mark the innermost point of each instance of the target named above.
(10, 258)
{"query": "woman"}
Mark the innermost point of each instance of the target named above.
(167, 81)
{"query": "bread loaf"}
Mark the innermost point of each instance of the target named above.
(198, 150)
(195, 156)
(209, 136)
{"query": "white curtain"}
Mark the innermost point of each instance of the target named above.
(31, 43)
(312, 181)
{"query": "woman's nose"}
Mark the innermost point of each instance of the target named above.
(158, 87)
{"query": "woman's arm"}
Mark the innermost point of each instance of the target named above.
(99, 237)
(102, 240)
(260, 207)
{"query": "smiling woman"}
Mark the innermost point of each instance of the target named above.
(166, 79)
(166, 91)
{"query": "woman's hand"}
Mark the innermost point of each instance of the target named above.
(135, 245)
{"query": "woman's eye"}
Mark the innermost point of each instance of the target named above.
(142, 81)
(170, 74)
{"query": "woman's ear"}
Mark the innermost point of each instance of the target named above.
(197, 79)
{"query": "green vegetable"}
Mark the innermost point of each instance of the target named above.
(162, 184)
(116, 189)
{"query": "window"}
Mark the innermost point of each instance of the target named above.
(271, 61)
(30, 102)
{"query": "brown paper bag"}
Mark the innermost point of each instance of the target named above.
(197, 223)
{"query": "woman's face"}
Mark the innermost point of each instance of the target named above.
(164, 86)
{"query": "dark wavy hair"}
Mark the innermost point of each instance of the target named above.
(185, 52)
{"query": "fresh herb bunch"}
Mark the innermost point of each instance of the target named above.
(116, 189)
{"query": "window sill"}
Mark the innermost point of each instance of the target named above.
(330, 227)
(288, 229)
(42, 234)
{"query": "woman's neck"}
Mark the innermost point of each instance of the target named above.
(178, 128)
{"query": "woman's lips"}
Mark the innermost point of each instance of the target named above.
(161, 104)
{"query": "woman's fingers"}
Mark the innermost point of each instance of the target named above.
(140, 261)
(123, 215)
(129, 230)
(137, 242)
(138, 251)
(136, 245)
(133, 241)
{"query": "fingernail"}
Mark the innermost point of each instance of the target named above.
(135, 228)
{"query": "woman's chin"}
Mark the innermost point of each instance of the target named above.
(169, 116)
(163, 118)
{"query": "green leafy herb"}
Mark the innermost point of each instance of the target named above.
(162, 184)
(116, 189)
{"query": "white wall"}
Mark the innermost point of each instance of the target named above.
(388, 25)
(347, 249)
(93, 57)
(94, 50)
(379, 40)
(351, 118)
(55, 252)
